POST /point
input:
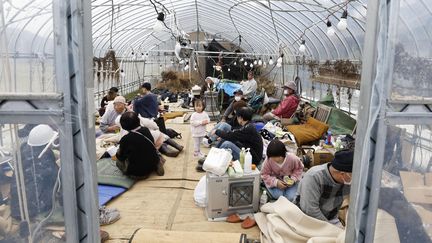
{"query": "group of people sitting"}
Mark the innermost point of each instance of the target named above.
(142, 131)
(319, 192)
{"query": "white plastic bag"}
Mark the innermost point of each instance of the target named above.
(200, 193)
(217, 161)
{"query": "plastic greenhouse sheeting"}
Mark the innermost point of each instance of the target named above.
(340, 122)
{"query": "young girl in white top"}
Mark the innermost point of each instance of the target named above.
(198, 121)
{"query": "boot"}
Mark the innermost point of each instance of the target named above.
(164, 149)
(174, 144)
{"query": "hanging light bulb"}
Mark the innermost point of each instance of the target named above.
(241, 59)
(255, 62)
(159, 25)
(172, 62)
(229, 69)
(279, 65)
(195, 67)
(271, 61)
(235, 63)
(186, 67)
(251, 65)
(245, 63)
(260, 62)
(122, 73)
(279, 60)
(342, 25)
(143, 56)
(330, 29)
(160, 66)
(264, 65)
(302, 47)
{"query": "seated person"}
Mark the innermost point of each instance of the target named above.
(281, 171)
(226, 126)
(107, 123)
(112, 93)
(39, 173)
(208, 86)
(244, 137)
(147, 105)
(161, 140)
(288, 105)
(249, 86)
(321, 191)
(137, 156)
(240, 100)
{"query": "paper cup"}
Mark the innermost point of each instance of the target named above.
(112, 150)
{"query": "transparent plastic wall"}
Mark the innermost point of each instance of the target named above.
(30, 187)
(406, 184)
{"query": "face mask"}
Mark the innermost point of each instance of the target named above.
(237, 98)
(286, 92)
(348, 183)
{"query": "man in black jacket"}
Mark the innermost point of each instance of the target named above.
(137, 156)
(244, 137)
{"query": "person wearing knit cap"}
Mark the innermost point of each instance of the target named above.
(323, 187)
(288, 105)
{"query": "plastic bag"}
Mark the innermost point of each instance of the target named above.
(200, 193)
(217, 161)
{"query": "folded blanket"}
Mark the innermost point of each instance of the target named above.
(282, 221)
(109, 174)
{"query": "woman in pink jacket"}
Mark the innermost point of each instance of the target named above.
(281, 171)
(288, 105)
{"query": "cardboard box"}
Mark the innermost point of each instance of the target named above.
(417, 187)
(320, 156)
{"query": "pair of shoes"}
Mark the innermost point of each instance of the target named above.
(160, 171)
(199, 168)
(234, 218)
(249, 222)
(108, 215)
(104, 236)
(198, 155)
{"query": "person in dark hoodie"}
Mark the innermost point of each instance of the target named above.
(244, 137)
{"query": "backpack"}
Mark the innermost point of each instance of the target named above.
(172, 133)
(256, 102)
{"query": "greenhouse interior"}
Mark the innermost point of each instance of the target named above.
(238, 120)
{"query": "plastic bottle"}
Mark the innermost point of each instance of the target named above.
(329, 138)
(242, 157)
(264, 198)
(247, 169)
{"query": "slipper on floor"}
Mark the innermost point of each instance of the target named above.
(248, 223)
(233, 218)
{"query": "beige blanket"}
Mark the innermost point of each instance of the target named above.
(282, 221)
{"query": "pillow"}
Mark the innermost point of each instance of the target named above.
(311, 131)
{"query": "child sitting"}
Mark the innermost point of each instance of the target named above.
(198, 121)
(281, 171)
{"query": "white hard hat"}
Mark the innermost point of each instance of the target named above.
(41, 135)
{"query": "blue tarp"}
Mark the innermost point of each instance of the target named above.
(106, 193)
(228, 87)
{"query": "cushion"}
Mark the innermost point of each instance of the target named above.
(311, 131)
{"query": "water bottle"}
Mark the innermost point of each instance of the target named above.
(329, 138)
(247, 169)
(264, 198)
(242, 157)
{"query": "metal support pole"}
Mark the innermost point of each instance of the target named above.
(360, 189)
